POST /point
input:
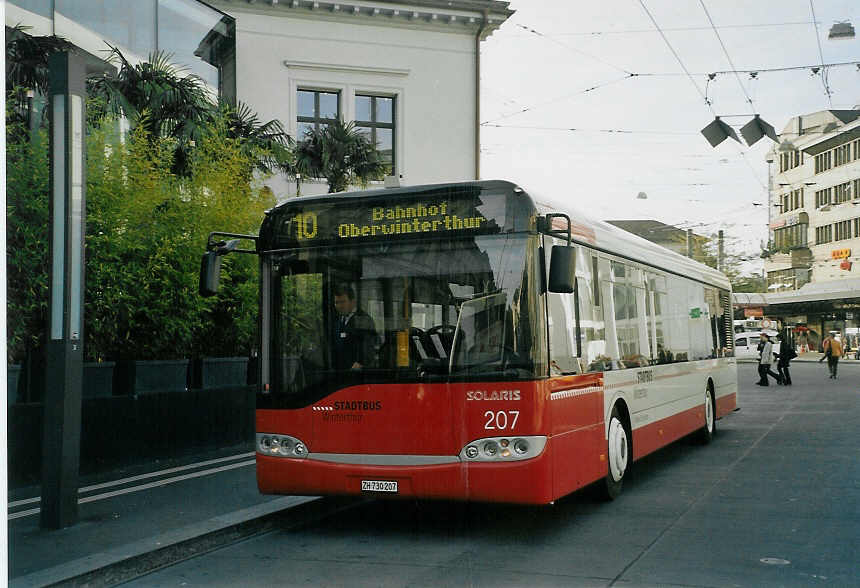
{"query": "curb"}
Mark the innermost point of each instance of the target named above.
(133, 560)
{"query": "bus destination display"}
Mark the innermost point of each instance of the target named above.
(385, 219)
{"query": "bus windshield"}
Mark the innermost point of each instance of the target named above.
(403, 311)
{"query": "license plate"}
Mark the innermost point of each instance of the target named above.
(378, 486)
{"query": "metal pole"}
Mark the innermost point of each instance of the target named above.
(61, 439)
(690, 243)
(63, 378)
(721, 260)
(478, 94)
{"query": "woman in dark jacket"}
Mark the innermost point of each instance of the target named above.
(786, 354)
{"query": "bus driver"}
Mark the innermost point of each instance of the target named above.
(354, 336)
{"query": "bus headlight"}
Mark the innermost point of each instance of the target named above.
(491, 448)
(278, 445)
(503, 448)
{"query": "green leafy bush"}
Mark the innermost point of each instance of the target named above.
(27, 220)
(146, 230)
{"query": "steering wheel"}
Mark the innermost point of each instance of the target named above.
(442, 330)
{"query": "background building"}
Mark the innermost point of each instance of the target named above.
(813, 279)
(814, 229)
(406, 71)
(195, 35)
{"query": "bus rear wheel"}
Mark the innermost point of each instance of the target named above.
(619, 456)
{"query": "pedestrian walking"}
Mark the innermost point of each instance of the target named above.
(832, 351)
(765, 361)
(785, 355)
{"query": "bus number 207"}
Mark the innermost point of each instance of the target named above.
(501, 419)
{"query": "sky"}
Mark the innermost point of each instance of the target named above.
(558, 65)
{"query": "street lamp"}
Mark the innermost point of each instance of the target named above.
(61, 439)
(756, 129)
(718, 131)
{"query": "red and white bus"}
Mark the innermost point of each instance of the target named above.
(510, 351)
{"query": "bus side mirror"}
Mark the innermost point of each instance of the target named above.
(210, 270)
(210, 265)
(562, 269)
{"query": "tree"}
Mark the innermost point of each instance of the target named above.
(707, 253)
(341, 154)
(27, 221)
(145, 234)
(27, 73)
(266, 144)
(146, 225)
(158, 96)
(169, 103)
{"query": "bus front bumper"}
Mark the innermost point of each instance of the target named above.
(518, 482)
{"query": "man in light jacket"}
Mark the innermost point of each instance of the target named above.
(832, 351)
(765, 361)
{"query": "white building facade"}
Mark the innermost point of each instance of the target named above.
(815, 201)
(407, 73)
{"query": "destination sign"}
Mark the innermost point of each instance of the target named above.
(350, 220)
(402, 220)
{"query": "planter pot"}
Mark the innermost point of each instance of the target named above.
(153, 377)
(224, 372)
(98, 379)
(13, 376)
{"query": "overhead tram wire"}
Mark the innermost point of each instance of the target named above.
(532, 31)
(759, 70)
(579, 130)
(728, 57)
(693, 81)
(556, 99)
(677, 57)
(675, 29)
(535, 32)
(821, 56)
(579, 51)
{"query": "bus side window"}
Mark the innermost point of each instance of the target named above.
(715, 315)
(628, 312)
(591, 323)
(677, 314)
(562, 327)
(699, 321)
(561, 322)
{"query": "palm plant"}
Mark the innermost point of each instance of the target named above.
(267, 144)
(166, 102)
(341, 154)
(158, 96)
(27, 68)
(176, 103)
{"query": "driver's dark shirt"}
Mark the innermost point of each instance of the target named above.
(354, 340)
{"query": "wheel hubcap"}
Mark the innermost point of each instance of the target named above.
(709, 411)
(617, 449)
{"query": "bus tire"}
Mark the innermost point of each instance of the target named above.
(619, 456)
(709, 429)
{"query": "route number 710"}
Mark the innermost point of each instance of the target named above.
(501, 419)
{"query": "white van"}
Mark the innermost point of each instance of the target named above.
(746, 344)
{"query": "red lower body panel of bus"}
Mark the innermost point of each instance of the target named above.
(523, 482)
